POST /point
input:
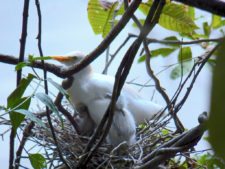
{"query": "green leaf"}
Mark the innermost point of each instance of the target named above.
(144, 7)
(37, 161)
(59, 87)
(190, 12)
(21, 65)
(172, 38)
(210, 160)
(216, 123)
(141, 59)
(100, 18)
(31, 116)
(216, 21)
(185, 54)
(174, 17)
(165, 131)
(30, 58)
(45, 99)
(42, 58)
(162, 51)
(207, 29)
(15, 97)
(17, 118)
(154, 53)
(212, 62)
(177, 71)
(15, 100)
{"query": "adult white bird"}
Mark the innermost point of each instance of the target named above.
(94, 91)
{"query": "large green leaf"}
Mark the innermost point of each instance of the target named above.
(185, 54)
(17, 118)
(37, 161)
(216, 21)
(100, 18)
(174, 17)
(16, 101)
(15, 97)
(216, 122)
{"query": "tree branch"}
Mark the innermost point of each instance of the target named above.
(180, 143)
(19, 74)
(213, 6)
(202, 63)
(23, 37)
(46, 82)
(26, 134)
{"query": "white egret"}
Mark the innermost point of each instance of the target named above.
(94, 90)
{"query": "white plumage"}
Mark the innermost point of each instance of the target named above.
(94, 90)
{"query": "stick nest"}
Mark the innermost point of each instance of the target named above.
(72, 145)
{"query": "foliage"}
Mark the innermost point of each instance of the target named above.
(175, 17)
(216, 121)
(17, 101)
(209, 160)
(102, 20)
(37, 161)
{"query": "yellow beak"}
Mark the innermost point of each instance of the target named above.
(62, 58)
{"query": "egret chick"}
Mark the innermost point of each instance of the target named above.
(94, 89)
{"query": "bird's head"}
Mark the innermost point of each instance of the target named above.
(70, 58)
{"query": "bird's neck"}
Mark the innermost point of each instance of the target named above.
(83, 75)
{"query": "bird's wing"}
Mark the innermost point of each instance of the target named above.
(143, 109)
(106, 83)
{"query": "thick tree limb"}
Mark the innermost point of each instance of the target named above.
(213, 6)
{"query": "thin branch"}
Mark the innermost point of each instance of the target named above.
(156, 80)
(150, 72)
(178, 42)
(23, 37)
(184, 141)
(108, 49)
(46, 83)
(26, 134)
(19, 74)
(202, 63)
(116, 52)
